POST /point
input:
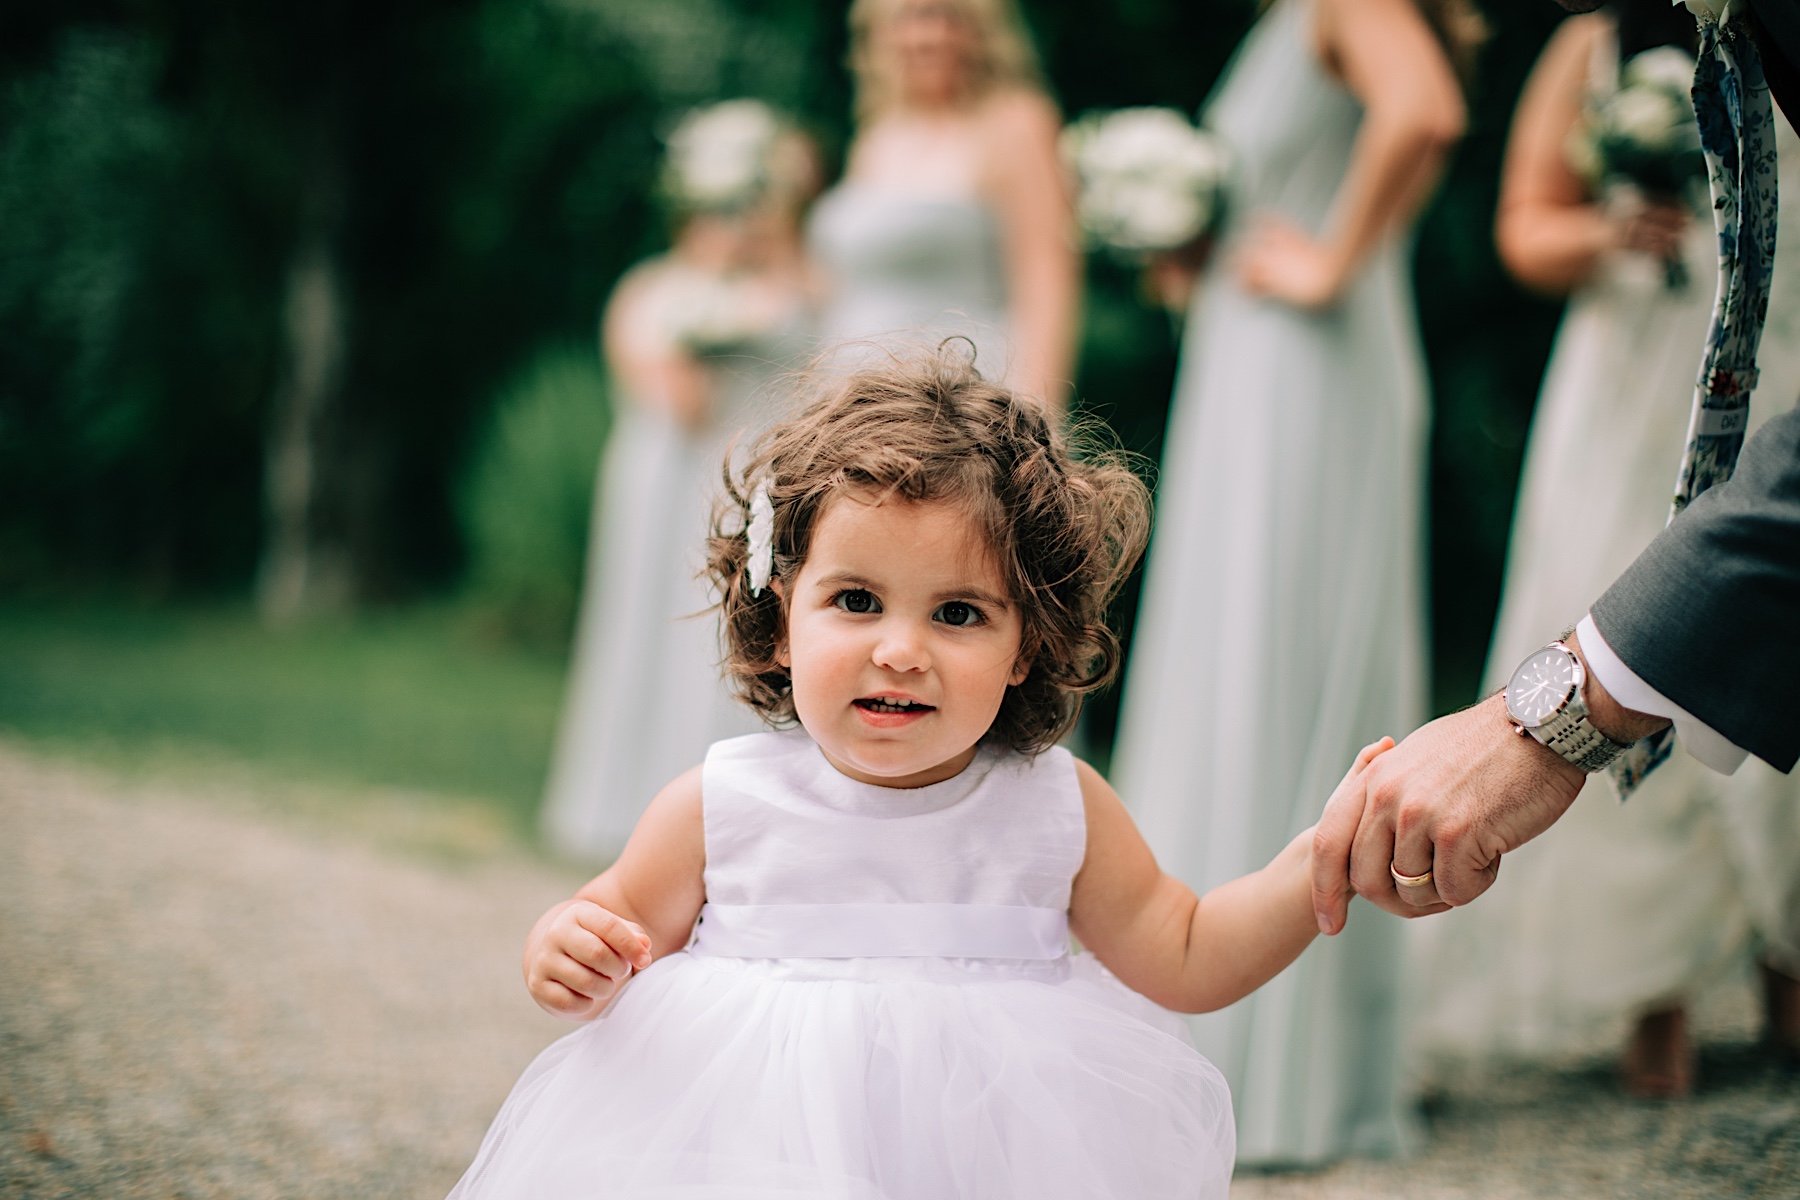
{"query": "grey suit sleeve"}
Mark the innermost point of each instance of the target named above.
(1709, 614)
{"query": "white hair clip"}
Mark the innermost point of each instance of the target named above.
(760, 533)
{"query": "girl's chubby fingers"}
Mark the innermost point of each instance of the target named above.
(584, 981)
(1333, 838)
(586, 949)
(1368, 753)
(621, 937)
(559, 999)
(584, 946)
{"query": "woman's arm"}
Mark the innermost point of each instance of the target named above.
(650, 369)
(1188, 953)
(1550, 232)
(639, 909)
(1413, 113)
(1043, 260)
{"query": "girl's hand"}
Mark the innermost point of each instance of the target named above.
(1365, 756)
(579, 956)
(1297, 856)
(1281, 261)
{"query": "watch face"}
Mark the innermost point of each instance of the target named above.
(1542, 685)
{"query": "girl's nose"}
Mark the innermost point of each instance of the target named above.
(901, 647)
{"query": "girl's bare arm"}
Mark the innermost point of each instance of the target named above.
(1186, 952)
(639, 909)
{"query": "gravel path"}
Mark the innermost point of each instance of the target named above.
(244, 989)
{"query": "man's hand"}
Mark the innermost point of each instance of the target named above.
(1450, 799)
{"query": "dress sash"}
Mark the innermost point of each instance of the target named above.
(881, 931)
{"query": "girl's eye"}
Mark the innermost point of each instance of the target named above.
(959, 613)
(856, 600)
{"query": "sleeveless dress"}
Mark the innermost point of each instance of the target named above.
(645, 696)
(1697, 869)
(878, 1003)
(1281, 624)
(905, 271)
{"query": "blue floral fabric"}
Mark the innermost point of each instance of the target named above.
(1737, 133)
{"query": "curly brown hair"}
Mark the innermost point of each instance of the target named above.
(1065, 525)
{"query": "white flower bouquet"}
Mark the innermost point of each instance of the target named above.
(1149, 180)
(1644, 133)
(719, 157)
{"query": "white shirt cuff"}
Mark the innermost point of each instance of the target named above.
(1702, 741)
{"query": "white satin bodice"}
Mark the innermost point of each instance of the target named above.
(804, 862)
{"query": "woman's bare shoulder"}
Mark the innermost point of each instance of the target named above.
(1020, 108)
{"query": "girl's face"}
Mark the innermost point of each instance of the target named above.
(928, 45)
(901, 640)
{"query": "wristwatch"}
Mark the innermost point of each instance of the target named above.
(1543, 699)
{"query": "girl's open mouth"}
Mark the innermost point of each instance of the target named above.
(888, 704)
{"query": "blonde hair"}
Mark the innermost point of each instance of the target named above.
(1065, 528)
(1004, 54)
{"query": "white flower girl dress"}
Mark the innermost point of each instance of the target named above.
(879, 1002)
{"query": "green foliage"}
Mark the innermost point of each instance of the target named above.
(129, 328)
(484, 171)
(400, 699)
(526, 500)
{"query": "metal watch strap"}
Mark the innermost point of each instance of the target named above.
(1580, 743)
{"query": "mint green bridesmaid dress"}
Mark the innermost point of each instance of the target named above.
(1281, 625)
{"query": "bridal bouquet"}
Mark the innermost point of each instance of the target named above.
(1149, 181)
(719, 157)
(1644, 134)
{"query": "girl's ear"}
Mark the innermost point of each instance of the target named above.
(1021, 669)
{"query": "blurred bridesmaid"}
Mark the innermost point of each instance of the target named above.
(1699, 873)
(1281, 625)
(694, 340)
(954, 215)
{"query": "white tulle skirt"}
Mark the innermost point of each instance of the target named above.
(898, 1079)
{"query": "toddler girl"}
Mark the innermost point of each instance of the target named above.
(853, 934)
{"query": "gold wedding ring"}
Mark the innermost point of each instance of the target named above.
(1409, 880)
